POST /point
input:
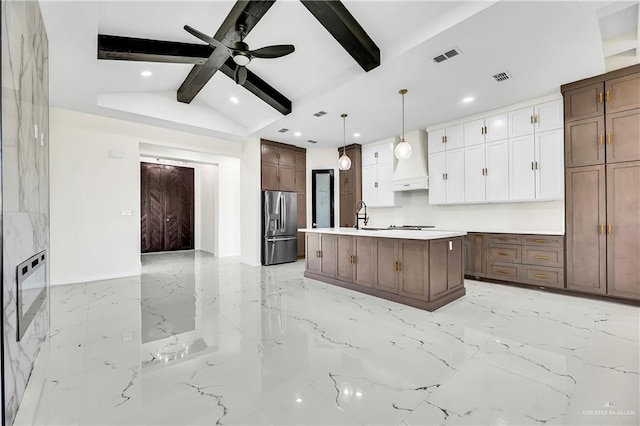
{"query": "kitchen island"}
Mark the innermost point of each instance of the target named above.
(420, 268)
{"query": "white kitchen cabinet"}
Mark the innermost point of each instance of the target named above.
(474, 174)
(497, 170)
(522, 168)
(474, 132)
(549, 116)
(446, 177)
(446, 139)
(487, 172)
(549, 151)
(437, 188)
(454, 176)
(536, 167)
(377, 171)
(496, 128)
(536, 118)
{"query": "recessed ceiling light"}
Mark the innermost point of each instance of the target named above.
(298, 134)
(467, 99)
(145, 73)
(234, 100)
(356, 135)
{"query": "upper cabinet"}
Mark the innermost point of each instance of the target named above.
(278, 161)
(447, 138)
(584, 102)
(377, 172)
(623, 93)
(512, 155)
(537, 118)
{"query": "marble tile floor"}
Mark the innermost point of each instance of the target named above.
(201, 340)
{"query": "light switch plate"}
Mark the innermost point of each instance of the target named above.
(35, 131)
(41, 139)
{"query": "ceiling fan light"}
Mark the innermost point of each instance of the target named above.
(241, 59)
(344, 162)
(403, 150)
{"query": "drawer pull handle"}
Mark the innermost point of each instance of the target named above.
(542, 276)
(541, 241)
(541, 257)
(503, 239)
(502, 272)
(503, 254)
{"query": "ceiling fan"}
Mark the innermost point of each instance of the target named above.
(240, 51)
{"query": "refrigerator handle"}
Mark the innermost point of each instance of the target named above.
(284, 214)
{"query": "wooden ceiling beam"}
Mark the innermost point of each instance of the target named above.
(339, 22)
(247, 13)
(145, 50)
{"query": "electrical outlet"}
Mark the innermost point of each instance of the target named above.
(126, 212)
(35, 131)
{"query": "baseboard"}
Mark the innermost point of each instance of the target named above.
(89, 278)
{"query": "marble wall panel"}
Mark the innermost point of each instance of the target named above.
(25, 182)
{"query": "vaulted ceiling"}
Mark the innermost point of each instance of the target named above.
(540, 44)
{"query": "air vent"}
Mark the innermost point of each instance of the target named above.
(283, 130)
(319, 113)
(447, 55)
(502, 76)
(311, 141)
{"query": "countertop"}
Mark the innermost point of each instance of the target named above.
(405, 235)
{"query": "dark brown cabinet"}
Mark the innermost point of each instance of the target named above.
(350, 186)
(363, 259)
(623, 136)
(166, 208)
(623, 229)
(321, 254)
(475, 255)
(445, 266)
(602, 197)
(284, 168)
(277, 167)
(584, 102)
(523, 259)
(385, 277)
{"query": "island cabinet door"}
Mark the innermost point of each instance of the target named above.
(386, 265)
(328, 265)
(413, 269)
(364, 260)
(344, 257)
(312, 252)
(445, 266)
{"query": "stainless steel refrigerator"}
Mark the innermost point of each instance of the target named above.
(279, 227)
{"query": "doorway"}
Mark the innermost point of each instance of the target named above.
(322, 198)
(166, 208)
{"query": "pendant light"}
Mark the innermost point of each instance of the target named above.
(403, 149)
(344, 163)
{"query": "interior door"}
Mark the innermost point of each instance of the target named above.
(166, 207)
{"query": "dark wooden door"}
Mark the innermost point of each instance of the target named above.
(386, 268)
(584, 142)
(623, 230)
(623, 93)
(413, 270)
(166, 207)
(586, 233)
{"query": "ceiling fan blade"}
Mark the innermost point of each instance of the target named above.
(240, 75)
(212, 41)
(273, 51)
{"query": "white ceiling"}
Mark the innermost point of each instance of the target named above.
(541, 44)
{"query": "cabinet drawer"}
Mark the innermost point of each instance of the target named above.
(505, 239)
(543, 276)
(504, 271)
(543, 240)
(505, 253)
(545, 256)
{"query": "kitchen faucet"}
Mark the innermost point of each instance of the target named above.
(359, 205)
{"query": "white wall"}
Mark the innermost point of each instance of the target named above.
(321, 159)
(206, 202)
(250, 203)
(90, 239)
(414, 209)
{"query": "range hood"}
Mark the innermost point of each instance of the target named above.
(411, 174)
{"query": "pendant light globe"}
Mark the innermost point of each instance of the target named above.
(344, 162)
(403, 149)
